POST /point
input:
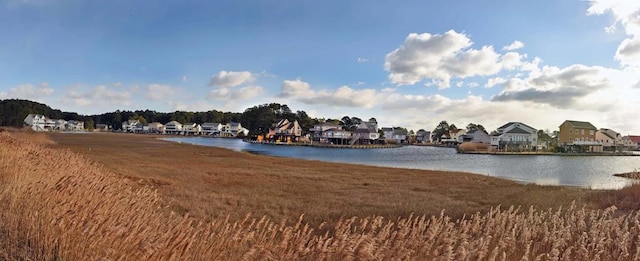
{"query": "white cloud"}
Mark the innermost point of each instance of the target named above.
(494, 81)
(626, 13)
(159, 92)
(362, 60)
(244, 93)
(342, 96)
(440, 58)
(513, 46)
(100, 95)
(29, 91)
(185, 79)
(224, 79)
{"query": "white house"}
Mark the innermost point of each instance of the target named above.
(213, 128)
(394, 135)
(60, 125)
(365, 133)
(191, 129)
(317, 132)
(130, 125)
(515, 136)
(235, 128)
(73, 125)
(457, 135)
(35, 121)
(173, 127)
(49, 124)
(423, 136)
(155, 127)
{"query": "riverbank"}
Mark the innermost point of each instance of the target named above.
(549, 153)
(327, 145)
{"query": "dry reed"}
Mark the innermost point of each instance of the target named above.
(56, 205)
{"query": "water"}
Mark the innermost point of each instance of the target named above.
(585, 171)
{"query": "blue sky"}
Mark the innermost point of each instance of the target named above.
(407, 63)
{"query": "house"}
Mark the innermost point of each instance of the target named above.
(102, 127)
(632, 142)
(191, 129)
(155, 127)
(337, 136)
(213, 128)
(514, 136)
(73, 125)
(610, 139)
(60, 125)
(579, 136)
(173, 127)
(318, 131)
(130, 125)
(284, 130)
(477, 136)
(457, 135)
(394, 135)
(35, 121)
(49, 124)
(423, 136)
(234, 129)
(365, 133)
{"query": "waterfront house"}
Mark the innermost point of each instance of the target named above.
(234, 129)
(49, 124)
(155, 127)
(337, 136)
(284, 130)
(100, 127)
(632, 142)
(191, 129)
(477, 136)
(457, 135)
(74, 125)
(394, 135)
(130, 125)
(213, 128)
(423, 136)
(60, 125)
(365, 133)
(35, 121)
(173, 127)
(610, 139)
(579, 136)
(514, 136)
(317, 132)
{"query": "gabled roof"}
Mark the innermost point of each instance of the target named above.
(581, 125)
(635, 139)
(518, 130)
(455, 131)
(515, 122)
(366, 126)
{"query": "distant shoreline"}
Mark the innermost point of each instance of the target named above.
(328, 146)
(547, 153)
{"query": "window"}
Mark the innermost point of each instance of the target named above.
(570, 131)
(590, 132)
(582, 132)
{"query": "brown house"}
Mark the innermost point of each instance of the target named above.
(579, 136)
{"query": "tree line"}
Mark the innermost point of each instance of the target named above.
(257, 119)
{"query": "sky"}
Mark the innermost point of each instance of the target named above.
(407, 63)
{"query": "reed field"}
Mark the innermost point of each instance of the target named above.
(60, 204)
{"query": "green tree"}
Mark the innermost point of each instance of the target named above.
(442, 129)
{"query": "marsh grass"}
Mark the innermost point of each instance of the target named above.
(57, 205)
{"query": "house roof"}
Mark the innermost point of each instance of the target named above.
(635, 139)
(366, 126)
(581, 124)
(518, 130)
(515, 122)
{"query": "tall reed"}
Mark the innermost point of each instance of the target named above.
(56, 205)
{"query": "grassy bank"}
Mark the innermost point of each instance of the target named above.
(95, 198)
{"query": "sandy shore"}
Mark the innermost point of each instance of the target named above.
(213, 182)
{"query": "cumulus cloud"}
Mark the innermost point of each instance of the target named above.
(494, 81)
(626, 14)
(440, 58)
(557, 87)
(362, 60)
(342, 96)
(225, 79)
(98, 95)
(244, 93)
(29, 91)
(513, 46)
(159, 92)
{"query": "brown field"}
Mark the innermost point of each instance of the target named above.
(67, 199)
(212, 183)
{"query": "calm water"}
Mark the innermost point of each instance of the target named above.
(585, 171)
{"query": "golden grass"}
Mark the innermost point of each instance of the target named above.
(57, 205)
(214, 183)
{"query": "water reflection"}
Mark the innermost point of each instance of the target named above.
(585, 171)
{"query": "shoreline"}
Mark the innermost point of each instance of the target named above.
(587, 154)
(328, 146)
